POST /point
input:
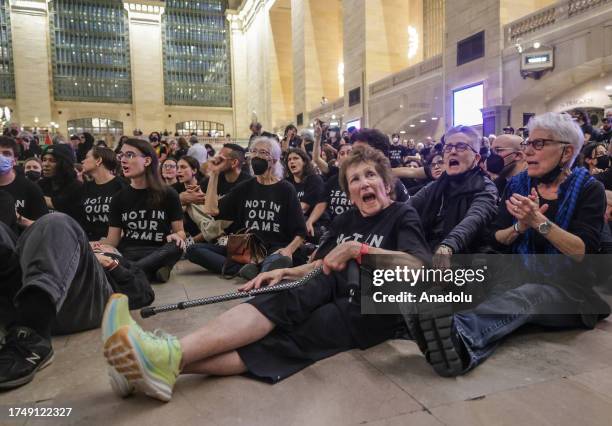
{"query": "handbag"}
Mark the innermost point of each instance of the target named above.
(245, 247)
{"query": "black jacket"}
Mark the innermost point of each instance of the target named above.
(456, 212)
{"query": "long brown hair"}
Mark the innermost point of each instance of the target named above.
(155, 185)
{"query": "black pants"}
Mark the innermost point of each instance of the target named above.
(54, 256)
(151, 258)
(313, 322)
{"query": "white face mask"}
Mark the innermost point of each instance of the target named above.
(332, 134)
(395, 140)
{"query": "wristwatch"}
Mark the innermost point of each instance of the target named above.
(516, 228)
(544, 227)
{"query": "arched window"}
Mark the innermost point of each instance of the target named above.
(200, 128)
(96, 126)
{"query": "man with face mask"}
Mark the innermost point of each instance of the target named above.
(457, 208)
(29, 200)
(506, 159)
(606, 129)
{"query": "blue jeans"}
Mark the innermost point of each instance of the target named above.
(212, 257)
(483, 327)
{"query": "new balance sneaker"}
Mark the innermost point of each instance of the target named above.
(147, 361)
(117, 315)
(23, 354)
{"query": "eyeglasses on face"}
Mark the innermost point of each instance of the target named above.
(438, 163)
(538, 144)
(169, 166)
(261, 152)
(130, 155)
(459, 147)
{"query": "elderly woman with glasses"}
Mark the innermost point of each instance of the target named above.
(457, 207)
(267, 205)
(551, 211)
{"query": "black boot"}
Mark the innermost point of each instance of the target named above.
(445, 350)
(24, 353)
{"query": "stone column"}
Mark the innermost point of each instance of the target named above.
(147, 70)
(494, 119)
(30, 35)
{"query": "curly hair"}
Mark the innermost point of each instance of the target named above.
(373, 156)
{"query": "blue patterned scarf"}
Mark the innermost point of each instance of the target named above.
(568, 194)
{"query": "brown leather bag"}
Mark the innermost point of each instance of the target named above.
(245, 247)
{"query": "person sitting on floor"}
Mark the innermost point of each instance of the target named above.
(457, 207)
(52, 282)
(549, 209)
(146, 218)
(276, 335)
(267, 205)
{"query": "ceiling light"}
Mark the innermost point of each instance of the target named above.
(609, 87)
(536, 45)
(401, 106)
(413, 125)
(402, 132)
(422, 121)
(434, 118)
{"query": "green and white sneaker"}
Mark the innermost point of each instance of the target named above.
(117, 315)
(147, 361)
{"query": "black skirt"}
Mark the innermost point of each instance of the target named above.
(313, 322)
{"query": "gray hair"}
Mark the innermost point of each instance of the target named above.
(472, 135)
(562, 127)
(307, 135)
(275, 152)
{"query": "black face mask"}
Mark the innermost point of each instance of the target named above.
(496, 164)
(553, 174)
(33, 175)
(603, 162)
(259, 165)
(154, 139)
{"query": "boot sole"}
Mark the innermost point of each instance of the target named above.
(436, 326)
(125, 356)
(27, 379)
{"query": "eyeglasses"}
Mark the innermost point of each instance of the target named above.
(459, 147)
(538, 144)
(438, 163)
(129, 155)
(169, 166)
(261, 152)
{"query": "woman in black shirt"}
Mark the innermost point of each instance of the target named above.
(100, 164)
(168, 171)
(59, 184)
(276, 335)
(267, 205)
(146, 219)
(188, 173)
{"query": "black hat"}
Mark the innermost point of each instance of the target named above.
(61, 151)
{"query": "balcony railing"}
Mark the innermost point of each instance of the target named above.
(543, 18)
(406, 74)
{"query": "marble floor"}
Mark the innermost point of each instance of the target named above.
(536, 378)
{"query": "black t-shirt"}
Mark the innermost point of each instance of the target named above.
(398, 228)
(223, 186)
(310, 191)
(141, 224)
(586, 223)
(179, 187)
(605, 177)
(272, 212)
(397, 154)
(96, 204)
(29, 199)
(66, 198)
(338, 202)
